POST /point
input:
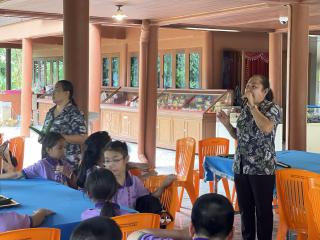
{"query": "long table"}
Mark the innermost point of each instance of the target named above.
(32, 194)
(222, 167)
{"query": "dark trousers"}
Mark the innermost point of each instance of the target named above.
(255, 195)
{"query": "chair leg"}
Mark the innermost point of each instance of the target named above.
(180, 199)
(192, 194)
(282, 232)
(226, 188)
(211, 186)
(196, 182)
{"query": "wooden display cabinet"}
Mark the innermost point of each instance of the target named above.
(181, 113)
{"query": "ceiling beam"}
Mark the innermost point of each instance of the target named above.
(55, 40)
(10, 45)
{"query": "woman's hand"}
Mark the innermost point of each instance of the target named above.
(224, 118)
(168, 180)
(248, 95)
(63, 170)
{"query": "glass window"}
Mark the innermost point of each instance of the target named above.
(48, 73)
(167, 70)
(115, 71)
(134, 71)
(61, 73)
(35, 72)
(180, 70)
(55, 71)
(16, 68)
(194, 70)
(105, 71)
(158, 71)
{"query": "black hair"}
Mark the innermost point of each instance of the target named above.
(212, 215)
(97, 228)
(67, 87)
(94, 145)
(101, 185)
(117, 146)
(266, 85)
(50, 140)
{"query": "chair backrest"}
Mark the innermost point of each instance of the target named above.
(169, 198)
(312, 201)
(134, 222)
(185, 152)
(32, 234)
(211, 147)
(290, 192)
(16, 146)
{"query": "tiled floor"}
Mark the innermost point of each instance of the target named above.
(164, 165)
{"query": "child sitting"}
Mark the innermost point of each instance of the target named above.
(101, 186)
(97, 228)
(12, 220)
(53, 167)
(93, 158)
(131, 187)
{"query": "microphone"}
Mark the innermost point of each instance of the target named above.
(244, 101)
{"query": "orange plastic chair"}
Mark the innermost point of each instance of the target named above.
(312, 202)
(184, 165)
(169, 198)
(16, 146)
(32, 234)
(211, 147)
(290, 192)
(134, 222)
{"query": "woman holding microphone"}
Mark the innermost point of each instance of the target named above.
(255, 158)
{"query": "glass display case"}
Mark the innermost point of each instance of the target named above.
(313, 114)
(172, 99)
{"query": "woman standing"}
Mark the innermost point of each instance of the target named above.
(66, 119)
(255, 159)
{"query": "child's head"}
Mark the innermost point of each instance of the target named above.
(101, 185)
(54, 145)
(212, 216)
(92, 155)
(116, 157)
(97, 228)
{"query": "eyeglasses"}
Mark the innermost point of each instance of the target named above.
(109, 161)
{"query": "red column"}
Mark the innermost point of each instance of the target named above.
(76, 49)
(207, 61)
(95, 73)
(148, 92)
(26, 92)
(275, 66)
(297, 76)
(123, 65)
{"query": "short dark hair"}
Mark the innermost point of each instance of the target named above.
(117, 146)
(97, 228)
(101, 184)
(94, 143)
(212, 215)
(51, 139)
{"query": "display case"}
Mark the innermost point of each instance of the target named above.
(313, 114)
(181, 113)
(313, 128)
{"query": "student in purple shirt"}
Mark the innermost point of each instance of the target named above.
(212, 218)
(131, 187)
(54, 167)
(93, 158)
(12, 220)
(101, 186)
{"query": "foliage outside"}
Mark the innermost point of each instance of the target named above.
(16, 68)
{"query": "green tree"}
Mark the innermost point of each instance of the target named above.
(180, 70)
(167, 70)
(194, 70)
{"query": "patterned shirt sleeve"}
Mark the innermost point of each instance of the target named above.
(77, 122)
(273, 114)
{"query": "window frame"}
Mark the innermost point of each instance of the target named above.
(110, 56)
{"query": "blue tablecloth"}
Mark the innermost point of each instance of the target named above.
(32, 194)
(296, 159)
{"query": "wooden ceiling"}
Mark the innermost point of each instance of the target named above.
(239, 14)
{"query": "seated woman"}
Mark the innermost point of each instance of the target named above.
(131, 187)
(12, 220)
(53, 167)
(101, 186)
(93, 158)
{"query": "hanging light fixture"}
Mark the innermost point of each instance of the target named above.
(119, 15)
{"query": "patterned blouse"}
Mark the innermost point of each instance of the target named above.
(69, 122)
(256, 150)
